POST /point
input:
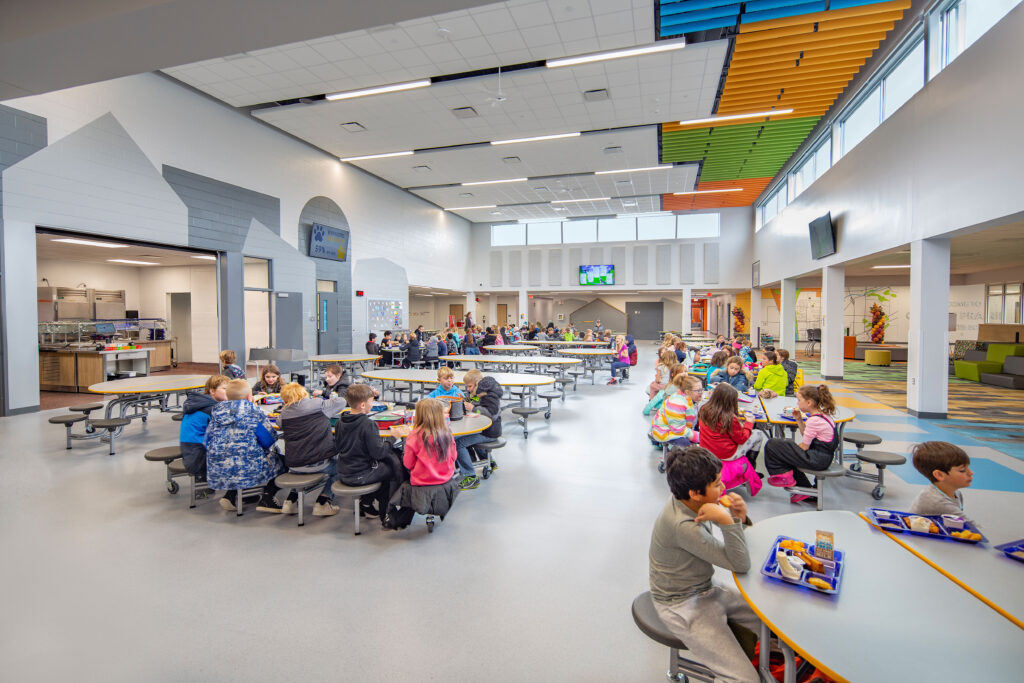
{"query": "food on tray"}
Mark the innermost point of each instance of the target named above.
(789, 544)
(819, 583)
(966, 535)
(953, 522)
(813, 563)
(788, 566)
(922, 524)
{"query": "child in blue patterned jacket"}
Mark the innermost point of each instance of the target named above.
(238, 442)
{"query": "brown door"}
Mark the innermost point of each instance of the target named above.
(502, 314)
(455, 310)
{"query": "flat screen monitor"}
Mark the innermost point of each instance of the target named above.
(823, 236)
(105, 329)
(328, 243)
(597, 275)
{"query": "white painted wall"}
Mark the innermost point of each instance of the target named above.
(95, 276)
(947, 160)
(199, 281)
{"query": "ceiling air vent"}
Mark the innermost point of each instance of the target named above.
(465, 113)
(595, 95)
(512, 160)
(353, 127)
(616, 149)
(421, 169)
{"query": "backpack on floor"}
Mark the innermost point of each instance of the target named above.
(397, 518)
(632, 357)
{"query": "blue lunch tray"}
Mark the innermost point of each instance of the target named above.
(1012, 547)
(892, 520)
(833, 568)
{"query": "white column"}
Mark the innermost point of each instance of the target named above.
(754, 316)
(687, 310)
(471, 307)
(928, 336)
(524, 307)
(492, 309)
(787, 316)
(833, 291)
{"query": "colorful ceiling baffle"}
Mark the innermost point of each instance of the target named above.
(786, 54)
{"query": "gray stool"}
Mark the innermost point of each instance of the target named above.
(112, 425)
(67, 421)
(881, 460)
(563, 381)
(679, 668)
(302, 483)
(176, 468)
(523, 415)
(550, 396)
(859, 439)
(166, 455)
(576, 375)
(835, 469)
(86, 408)
(355, 492)
(487, 466)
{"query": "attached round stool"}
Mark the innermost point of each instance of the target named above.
(523, 415)
(487, 466)
(178, 417)
(67, 421)
(550, 396)
(112, 425)
(165, 454)
(650, 624)
(860, 440)
(168, 455)
(86, 408)
(355, 492)
(877, 357)
(563, 381)
(881, 460)
(301, 483)
(835, 469)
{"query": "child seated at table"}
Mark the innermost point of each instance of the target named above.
(723, 432)
(717, 362)
(676, 420)
(621, 361)
(819, 439)
(733, 374)
(446, 384)
(771, 378)
(413, 350)
(662, 372)
(228, 367)
(309, 445)
(238, 442)
(332, 384)
(683, 553)
(372, 347)
(790, 367)
(270, 380)
(948, 468)
(483, 395)
(363, 457)
(194, 421)
(430, 447)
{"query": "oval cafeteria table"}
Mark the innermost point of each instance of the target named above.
(506, 361)
(505, 379)
(510, 348)
(591, 358)
(894, 618)
(987, 573)
(773, 408)
(343, 359)
(140, 393)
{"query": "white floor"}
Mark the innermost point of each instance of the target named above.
(107, 577)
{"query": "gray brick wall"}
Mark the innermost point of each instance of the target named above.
(219, 213)
(324, 211)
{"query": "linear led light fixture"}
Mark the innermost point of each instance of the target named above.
(494, 182)
(662, 46)
(379, 156)
(206, 258)
(467, 208)
(734, 117)
(904, 266)
(636, 170)
(536, 138)
(379, 90)
(90, 243)
(730, 189)
(133, 263)
(573, 201)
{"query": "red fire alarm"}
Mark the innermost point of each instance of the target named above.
(477, 299)
(530, 295)
(359, 292)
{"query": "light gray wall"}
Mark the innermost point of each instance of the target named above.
(949, 159)
(325, 212)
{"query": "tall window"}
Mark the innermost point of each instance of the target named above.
(1003, 303)
(905, 79)
(508, 235)
(544, 233)
(967, 20)
(579, 231)
(817, 163)
(698, 225)
(862, 120)
(616, 230)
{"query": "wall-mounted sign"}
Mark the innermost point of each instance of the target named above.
(328, 243)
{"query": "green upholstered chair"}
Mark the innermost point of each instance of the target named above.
(993, 363)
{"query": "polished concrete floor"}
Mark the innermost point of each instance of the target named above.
(108, 578)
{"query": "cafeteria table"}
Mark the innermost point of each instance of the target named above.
(343, 359)
(591, 359)
(141, 394)
(773, 408)
(412, 376)
(894, 618)
(510, 348)
(505, 363)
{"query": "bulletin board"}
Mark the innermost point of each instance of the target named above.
(384, 314)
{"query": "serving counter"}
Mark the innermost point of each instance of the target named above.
(74, 369)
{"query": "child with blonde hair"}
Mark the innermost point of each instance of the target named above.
(662, 372)
(621, 358)
(430, 447)
(675, 421)
(309, 445)
(446, 384)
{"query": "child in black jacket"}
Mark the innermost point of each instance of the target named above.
(483, 395)
(363, 457)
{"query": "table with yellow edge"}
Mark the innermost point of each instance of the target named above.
(505, 379)
(342, 359)
(142, 394)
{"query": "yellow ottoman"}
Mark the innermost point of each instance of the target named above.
(877, 357)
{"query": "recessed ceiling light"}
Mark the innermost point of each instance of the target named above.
(903, 266)
(570, 201)
(495, 182)
(495, 213)
(90, 243)
(629, 203)
(734, 117)
(468, 208)
(353, 127)
(561, 208)
(378, 156)
(379, 90)
(662, 46)
(730, 189)
(133, 263)
(663, 167)
(535, 138)
(206, 258)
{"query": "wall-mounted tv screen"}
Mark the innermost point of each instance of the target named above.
(597, 275)
(328, 243)
(823, 236)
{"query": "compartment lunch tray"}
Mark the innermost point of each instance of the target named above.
(893, 520)
(1013, 547)
(833, 568)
